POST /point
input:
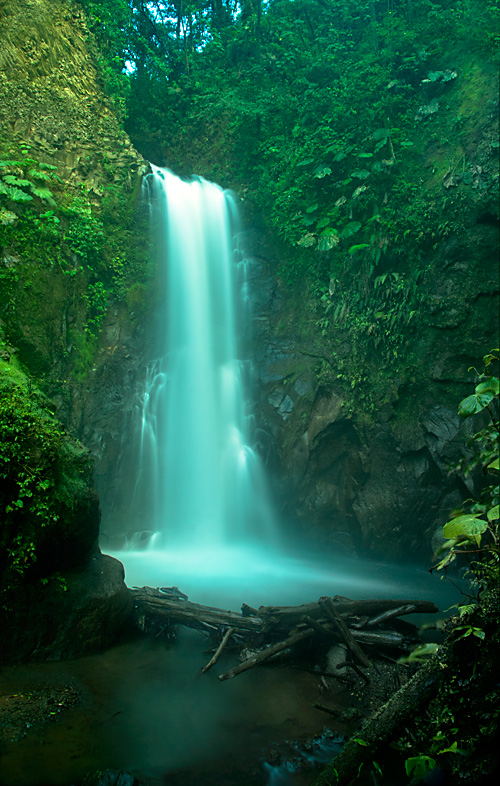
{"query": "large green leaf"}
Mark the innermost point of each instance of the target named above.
(468, 526)
(470, 406)
(359, 247)
(490, 385)
(41, 192)
(380, 134)
(351, 228)
(418, 766)
(329, 238)
(39, 175)
(16, 181)
(484, 393)
(361, 174)
(307, 240)
(420, 653)
(322, 171)
(6, 216)
(493, 513)
(15, 193)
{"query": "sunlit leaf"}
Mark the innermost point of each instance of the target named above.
(307, 240)
(41, 192)
(452, 749)
(421, 652)
(359, 247)
(418, 766)
(493, 513)
(358, 191)
(322, 171)
(17, 195)
(485, 392)
(39, 175)
(7, 217)
(380, 134)
(16, 181)
(361, 174)
(491, 385)
(468, 526)
(329, 238)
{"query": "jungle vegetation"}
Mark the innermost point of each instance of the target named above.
(341, 123)
(350, 126)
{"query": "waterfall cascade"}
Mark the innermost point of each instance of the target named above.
(199, 482)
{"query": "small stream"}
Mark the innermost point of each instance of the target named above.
(145, 707)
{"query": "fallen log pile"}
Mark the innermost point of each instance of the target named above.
(368, 629)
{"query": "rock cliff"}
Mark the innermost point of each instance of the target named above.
(75, 175)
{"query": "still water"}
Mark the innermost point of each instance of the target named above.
(147, 708)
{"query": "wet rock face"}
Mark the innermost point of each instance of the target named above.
(375, 482)
(50, 96)
(72, 600)
(87, 610)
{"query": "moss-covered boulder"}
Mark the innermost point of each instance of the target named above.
(58, 595)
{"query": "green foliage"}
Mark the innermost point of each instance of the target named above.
(27, 434)
(84, 346)
(15, 187)
(309, 109)
(420, 654)
(476, 533)
(485, 393)
(29, 474)
(84, 237)
(110, 23)
(418, 766)
(458, 728)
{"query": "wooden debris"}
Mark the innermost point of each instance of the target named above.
(391, 613)
(193, 615)
(266, 653)
(227, 635)
(270, 630)
(248, 611)
(173, 592)
(328, 605)
(384, 638)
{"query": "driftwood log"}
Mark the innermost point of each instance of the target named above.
(383, 725)
(270, 630)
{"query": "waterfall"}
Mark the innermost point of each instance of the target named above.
(199, 514)
(199, 482)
